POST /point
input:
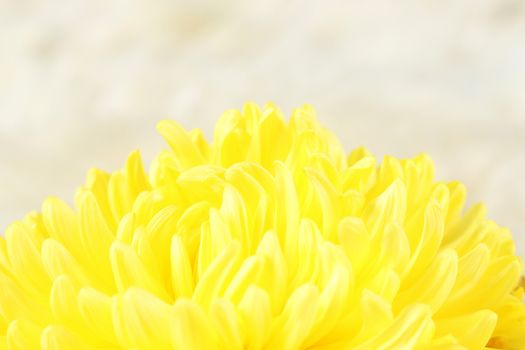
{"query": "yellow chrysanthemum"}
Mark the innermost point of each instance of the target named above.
(270, 237)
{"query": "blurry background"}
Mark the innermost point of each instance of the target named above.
(83, 83)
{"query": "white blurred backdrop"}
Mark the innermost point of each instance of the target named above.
(83, 83)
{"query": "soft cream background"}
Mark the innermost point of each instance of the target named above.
(82, 83)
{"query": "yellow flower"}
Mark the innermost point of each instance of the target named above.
(270, 237)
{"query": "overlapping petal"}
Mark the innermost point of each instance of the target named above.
(268, 237)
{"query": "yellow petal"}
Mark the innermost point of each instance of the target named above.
(26, 261)
(97, 182)
(147, 320)
(59, 338)
(217, 277)
(181, 271)
(293, 326)
(22, 335)
(227, 323)
(58, 261)
(96, 236)
(257, 316)
(481, 324)
(332, 304)
(192, 328)
(188, 155)
(425, 234)
(434, 286)
(95, 310)
(390, 206)
(273, 277)
(61, 223)
(63, 303)
(407, 330)
(248, 274)
(129, 271)
(377, 316)
(355, 240)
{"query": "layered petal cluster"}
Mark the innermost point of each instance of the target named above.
(269, 237)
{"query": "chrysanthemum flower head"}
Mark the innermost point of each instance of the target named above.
(269, 237)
